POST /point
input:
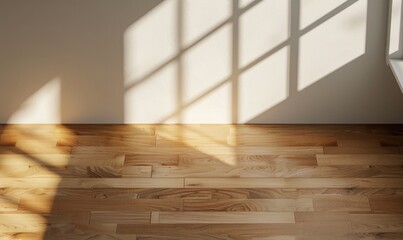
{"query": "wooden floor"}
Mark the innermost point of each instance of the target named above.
(283, 182)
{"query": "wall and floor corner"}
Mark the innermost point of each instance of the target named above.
(196, 61)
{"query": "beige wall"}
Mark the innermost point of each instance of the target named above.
(196, 61)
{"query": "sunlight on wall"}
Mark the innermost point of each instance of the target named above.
(153, 99)
(244, 3)
(150, 41)
(312, 10)
(206, 66)
(213, 108)
(179, 57)
(149, 44)
(263, 86)
(41, 107)
(395, 28)
(201, 16)
(334, 43)
(262, 28)
(166, 84)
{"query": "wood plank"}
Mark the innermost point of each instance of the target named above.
(87, 236)
(108, 129)
(34, 150)
(151, 160)
(293, 182)
(258, 129)
(8, 203)
(91, 183)
(341, 203)
(358, 140)
(62, 159)
(387, 204)
(248, 205)
(82, 217)
(225, 193)
(62, 172)
(28, 128)
(120, 217)
(200, 171)
(22, 236)
(253, 193)
(225, 217)
(196, 141)
(246, 160)
(136, 171)
(360, 159)
(311, 192)
(75, 171)
(199, 150)
(36, 222)
(323, 216)
(155, 216)
(64, 229)
(282, 140)
(71, 217)
(87, 203)
(192, 131)
(8, 139)
(298, 230)
(231, 193)
(103, 141)
(174, 193)
(380, 236)
(105, 193)
(360, 150)
(380, 223)
(335, 171)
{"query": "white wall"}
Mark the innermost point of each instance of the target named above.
(196, 61)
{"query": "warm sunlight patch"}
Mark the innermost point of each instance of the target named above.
(200, 17)
(214, 107)
(263, 86)
(146, 49)
(262, 28)
(153, 99)
(206, 95)
(41, 107)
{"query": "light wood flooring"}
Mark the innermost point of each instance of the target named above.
(285, 182)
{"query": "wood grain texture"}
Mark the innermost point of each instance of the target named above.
(123, 217)
(360, 159)
(232, 182)
(387, 204)
(62, 159)
(294, 182)
(341, 203)
(248, 205)
(88, 203)
(226, 217)
(377, 222)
